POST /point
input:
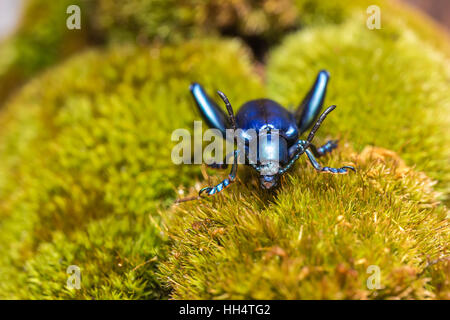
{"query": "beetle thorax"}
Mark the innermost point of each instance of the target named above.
(272, 152)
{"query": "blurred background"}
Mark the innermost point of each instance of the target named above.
(260, 24)
(9, 16)
(438, 9)
(10, 12)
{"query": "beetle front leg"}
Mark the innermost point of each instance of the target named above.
(323, 150)
(225, 183)
(232, 175)
(318, 167)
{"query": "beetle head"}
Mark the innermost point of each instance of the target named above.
(272, 152)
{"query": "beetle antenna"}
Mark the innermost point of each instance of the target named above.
(229, 108)
(319, 122)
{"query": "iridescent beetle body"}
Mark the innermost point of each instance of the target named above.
(265, 115)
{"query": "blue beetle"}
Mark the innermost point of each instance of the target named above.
(264, 115)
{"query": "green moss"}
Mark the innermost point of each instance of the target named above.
(315, 238)
(116, 256)
(319, 234)
(83, 175)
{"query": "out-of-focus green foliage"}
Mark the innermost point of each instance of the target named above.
(40, 41)
(174, 20)
(262, 23)
(390, 88)
(43, 40)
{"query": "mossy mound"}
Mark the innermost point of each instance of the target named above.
(86, 177)
(318, 235)
(82, 176)
(316, 238)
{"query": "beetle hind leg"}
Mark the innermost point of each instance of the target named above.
(326, 148)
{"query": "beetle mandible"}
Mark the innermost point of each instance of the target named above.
(264, 115)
